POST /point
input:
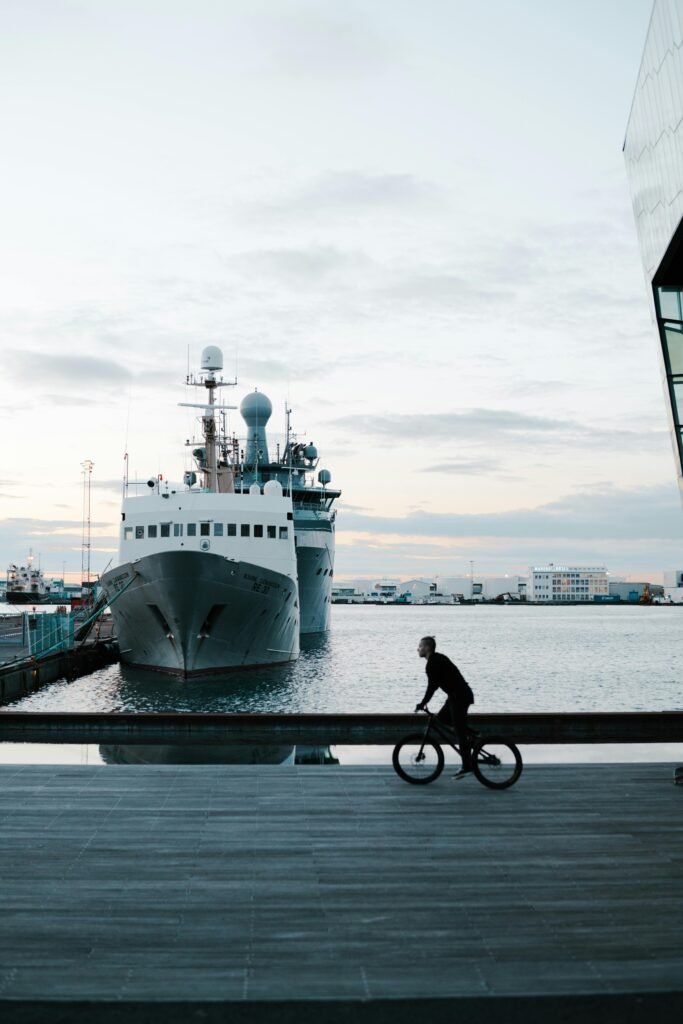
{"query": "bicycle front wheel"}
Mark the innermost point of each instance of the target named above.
(418, 761)
(496, 763)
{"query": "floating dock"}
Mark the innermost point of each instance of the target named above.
(339, 894)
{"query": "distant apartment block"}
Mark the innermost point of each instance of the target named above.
(551, 583)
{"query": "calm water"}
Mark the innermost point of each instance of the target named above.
(515, 658)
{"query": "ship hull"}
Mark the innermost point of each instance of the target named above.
(315, 564)
(192, 613)
(21, 597)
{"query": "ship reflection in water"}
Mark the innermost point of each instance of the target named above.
(249, 691)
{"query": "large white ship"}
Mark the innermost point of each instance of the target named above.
(295, 468)
(208, 574)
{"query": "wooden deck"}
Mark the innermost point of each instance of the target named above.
(341, 892)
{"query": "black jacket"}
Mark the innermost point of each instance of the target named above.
(443, 674)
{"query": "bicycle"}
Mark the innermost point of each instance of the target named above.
(419, 758)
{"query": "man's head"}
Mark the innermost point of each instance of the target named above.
(426, 646)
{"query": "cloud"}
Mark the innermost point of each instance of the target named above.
(502, 426)
(298, 265)
(68, 372)
(652, 513)
(311, 44)
(55, 541)
(352, 191)
(467, 467)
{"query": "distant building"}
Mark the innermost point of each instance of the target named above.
(673, 577)
(416, 589)
(653, 151)
(635, 592)
(551, 583)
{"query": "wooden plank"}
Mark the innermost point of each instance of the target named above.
(191, 728)
(255, 884)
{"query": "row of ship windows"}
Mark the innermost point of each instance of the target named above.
(219, 530)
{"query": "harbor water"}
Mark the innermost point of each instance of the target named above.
(516, 658)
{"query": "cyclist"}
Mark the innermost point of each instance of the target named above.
(444, 675)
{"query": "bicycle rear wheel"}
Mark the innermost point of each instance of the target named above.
(418, 761)
(496, 763)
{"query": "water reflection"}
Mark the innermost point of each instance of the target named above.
(190, 753)
(143, 690)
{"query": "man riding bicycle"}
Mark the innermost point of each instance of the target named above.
(444, 675)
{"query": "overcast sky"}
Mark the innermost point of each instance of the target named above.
(410, 219)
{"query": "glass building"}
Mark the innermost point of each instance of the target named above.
(653, 150)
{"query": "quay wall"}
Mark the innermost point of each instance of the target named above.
(30, 674)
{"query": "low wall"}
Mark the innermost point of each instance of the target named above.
(311, 729)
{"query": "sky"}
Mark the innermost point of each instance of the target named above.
(410, 221)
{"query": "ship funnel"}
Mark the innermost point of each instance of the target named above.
(256, 410)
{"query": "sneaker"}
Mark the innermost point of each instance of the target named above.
(462, 773)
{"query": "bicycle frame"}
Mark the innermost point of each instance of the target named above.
(434, 723)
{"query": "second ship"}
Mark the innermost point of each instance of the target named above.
(226, 573)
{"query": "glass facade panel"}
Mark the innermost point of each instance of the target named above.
(673, 338)
(670, 303)
(678, 402)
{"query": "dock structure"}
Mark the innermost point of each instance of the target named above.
(259, 893)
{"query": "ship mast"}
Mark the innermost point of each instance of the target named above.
(212, 361)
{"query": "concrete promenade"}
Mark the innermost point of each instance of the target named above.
(290, 893)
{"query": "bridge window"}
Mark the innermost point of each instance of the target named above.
(165, 529)
(284, 532)
(218, 529)
(191, 529)
(139, 532)
(177, 529)
(244, 530)
(204, 529)
(152, 530)
(128, 533)
(258, 530)
(272, 532)
(232, 529)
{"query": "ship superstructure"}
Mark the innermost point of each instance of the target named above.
(295, 468)
(207, 579)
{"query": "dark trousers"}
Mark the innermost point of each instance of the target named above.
(455, 716)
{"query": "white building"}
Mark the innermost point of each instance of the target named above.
(551, 583)
(415, 589)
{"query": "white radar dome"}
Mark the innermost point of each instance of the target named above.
(212, 358)
(273, 487)
(254, 489)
